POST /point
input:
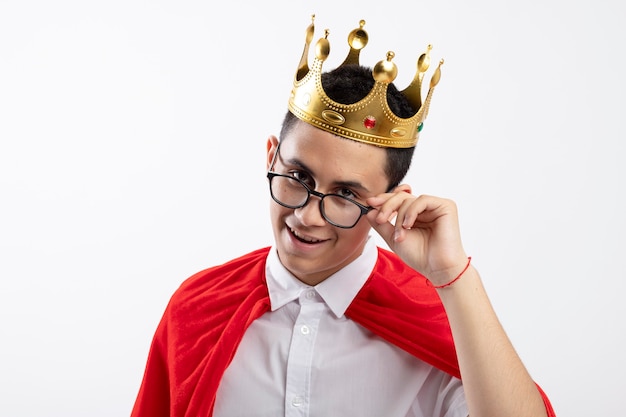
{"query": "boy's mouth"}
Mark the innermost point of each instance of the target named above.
(303, 238)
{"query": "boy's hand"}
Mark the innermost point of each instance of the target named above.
(426, 232)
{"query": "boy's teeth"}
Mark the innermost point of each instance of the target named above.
(299, 236)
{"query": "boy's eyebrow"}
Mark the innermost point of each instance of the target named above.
(348, 184)
(355, 185)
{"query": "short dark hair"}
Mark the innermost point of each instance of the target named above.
(348, 84)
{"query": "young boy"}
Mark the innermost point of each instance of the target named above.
(324, 323)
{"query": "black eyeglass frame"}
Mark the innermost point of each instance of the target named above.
(271, 174)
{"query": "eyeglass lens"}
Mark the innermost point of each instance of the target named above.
(292, 193)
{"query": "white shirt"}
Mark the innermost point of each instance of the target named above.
(306, 358)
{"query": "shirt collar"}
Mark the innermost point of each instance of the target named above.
(337, 291)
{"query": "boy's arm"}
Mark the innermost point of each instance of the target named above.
(426, 236)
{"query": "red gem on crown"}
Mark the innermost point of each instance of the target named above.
(369, 122)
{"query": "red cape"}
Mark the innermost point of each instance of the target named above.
(207, 316)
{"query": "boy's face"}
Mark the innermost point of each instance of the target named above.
(308, 246)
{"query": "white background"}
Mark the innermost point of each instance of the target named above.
(132, 139)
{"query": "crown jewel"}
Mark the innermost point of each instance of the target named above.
(369, 120)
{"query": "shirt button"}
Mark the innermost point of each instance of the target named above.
(305, 329)
(297, 401)
(310, 294)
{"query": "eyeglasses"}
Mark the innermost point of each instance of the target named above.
(290, 192)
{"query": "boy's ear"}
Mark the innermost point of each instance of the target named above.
(271, 146)
(402, 187)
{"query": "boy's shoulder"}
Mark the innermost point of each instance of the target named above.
(236, 276)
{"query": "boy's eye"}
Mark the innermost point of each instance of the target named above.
(346, 192)
(304, 177)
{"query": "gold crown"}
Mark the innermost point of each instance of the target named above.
(369, 120)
